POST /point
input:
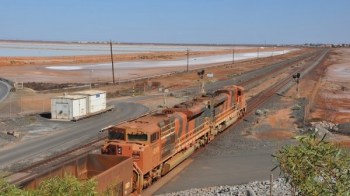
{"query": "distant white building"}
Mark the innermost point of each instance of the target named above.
(78, 105)
(68, 107)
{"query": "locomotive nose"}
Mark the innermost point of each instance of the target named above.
(111, 149)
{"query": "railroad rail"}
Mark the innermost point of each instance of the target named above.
(55, 161)
(257, 101)
(264, 96)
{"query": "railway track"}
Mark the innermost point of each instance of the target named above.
(253, 104)
(261, 98)
(53, 162)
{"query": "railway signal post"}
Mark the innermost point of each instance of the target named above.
(296, 78)
(201, 76)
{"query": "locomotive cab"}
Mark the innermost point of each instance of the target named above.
(126, 141)
(138, 139)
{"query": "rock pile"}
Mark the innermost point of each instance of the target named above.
(321, 128)
(327, 125)
(259, 112)
(257, 188)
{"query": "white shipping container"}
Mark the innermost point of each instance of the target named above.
(96, 100)
(68, 107)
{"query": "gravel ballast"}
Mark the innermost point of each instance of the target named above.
(279, 187)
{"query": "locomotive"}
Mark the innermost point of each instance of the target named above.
(160, 141)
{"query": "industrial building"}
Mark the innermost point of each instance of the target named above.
(78, 105)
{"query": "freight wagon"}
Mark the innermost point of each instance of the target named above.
(159, 142)
(111, 173)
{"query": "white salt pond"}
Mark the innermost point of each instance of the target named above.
(174, 63)
(28, 49)
(65, 68)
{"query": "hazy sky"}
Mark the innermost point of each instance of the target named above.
(177, 21)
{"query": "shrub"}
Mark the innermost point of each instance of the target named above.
(315, 167)
(68, 185)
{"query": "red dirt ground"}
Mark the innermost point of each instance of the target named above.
(282, 126)
(332, 100)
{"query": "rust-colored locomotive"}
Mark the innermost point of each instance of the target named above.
(158, 142)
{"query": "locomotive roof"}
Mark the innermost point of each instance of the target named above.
(148, 123)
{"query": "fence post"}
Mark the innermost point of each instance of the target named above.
(271, 183)
(10, 106)
(21, 104)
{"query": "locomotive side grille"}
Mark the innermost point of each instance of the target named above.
(168, 146)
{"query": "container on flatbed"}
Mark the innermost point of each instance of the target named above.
(68, 107)
(95, 100)
(79, 105)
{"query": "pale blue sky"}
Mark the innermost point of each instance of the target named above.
(178, 21)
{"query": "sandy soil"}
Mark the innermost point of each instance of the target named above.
(282, 126)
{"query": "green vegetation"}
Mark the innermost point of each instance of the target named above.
(315, 167)
(7, 189)
(68, 185)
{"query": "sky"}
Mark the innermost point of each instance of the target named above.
(178, 21)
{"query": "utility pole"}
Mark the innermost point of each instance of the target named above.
(233, 56)
(188, 54)
(110, 43)
(90, 77)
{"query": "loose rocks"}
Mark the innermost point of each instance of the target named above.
(257, 188)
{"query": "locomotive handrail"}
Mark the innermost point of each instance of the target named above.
(167, 132)
(139, 173)
(192, 135)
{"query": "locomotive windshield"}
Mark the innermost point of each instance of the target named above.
(137, 137)
(116, 134)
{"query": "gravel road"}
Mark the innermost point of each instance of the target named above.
(68, 134)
